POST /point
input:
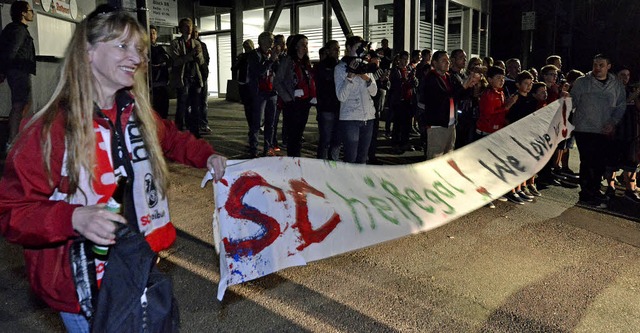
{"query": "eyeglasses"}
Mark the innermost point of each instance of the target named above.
(29, 10)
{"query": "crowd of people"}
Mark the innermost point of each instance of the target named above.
(443, 98)
(99, 127)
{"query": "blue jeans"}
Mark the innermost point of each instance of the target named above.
(75, 322)
(356, 137)
(204, 104)
(329, 145)
(263, 104)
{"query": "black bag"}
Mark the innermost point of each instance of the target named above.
(134, 296)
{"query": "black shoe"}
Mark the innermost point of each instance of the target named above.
(569, 183)
(515, 198)
(524, 196)
(374, 161)
(632, 195)
(593, 203)
(205, 129)
(557, 175)
(610, 193)
(534, 190)
(569, 173)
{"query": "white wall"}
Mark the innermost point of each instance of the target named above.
(46, 77)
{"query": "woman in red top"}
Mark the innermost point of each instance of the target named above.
(296, 86)
(97, 128)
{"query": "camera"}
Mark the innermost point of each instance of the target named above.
(359, 63)
(360, 66)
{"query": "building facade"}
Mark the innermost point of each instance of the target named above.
(225, 24)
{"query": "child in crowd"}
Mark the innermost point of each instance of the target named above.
(524, 106)
(549, 75)
(539, 92)
(493, 111)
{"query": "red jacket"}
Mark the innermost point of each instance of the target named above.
(492, 111)
(43, 226)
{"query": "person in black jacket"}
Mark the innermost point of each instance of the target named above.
(17, 62)
(438, 93)
(260, 76)
(328, 104)
(241, 66)
(160, 62)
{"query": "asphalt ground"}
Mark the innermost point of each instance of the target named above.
(546, 266)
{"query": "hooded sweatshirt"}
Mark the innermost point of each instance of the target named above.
(597, 104)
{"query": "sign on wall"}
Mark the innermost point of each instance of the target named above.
(528, 21)
(65, 8)
(163, 12)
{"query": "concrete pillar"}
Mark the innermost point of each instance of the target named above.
(236, 33)
(467, 30)
(402, 24)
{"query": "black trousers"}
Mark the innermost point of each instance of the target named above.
(296, 114)
(161, 101)
(594, 149)
(188, 108)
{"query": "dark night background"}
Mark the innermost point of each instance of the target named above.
(574, 29)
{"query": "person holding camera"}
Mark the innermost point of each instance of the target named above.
(355, 89)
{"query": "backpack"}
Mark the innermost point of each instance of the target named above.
(134, 295)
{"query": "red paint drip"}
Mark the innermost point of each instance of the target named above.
(483, 191)
(480, 189)
(455, 166)
(300, 189)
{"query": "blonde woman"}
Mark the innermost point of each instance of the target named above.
(97, 127)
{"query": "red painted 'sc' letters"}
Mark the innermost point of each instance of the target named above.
(300, 188)
(237, 209)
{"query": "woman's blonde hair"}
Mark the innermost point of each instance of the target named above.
(75, 94)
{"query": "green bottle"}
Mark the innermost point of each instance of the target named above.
(101, 252)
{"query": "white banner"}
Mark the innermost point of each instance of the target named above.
(276, 212)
